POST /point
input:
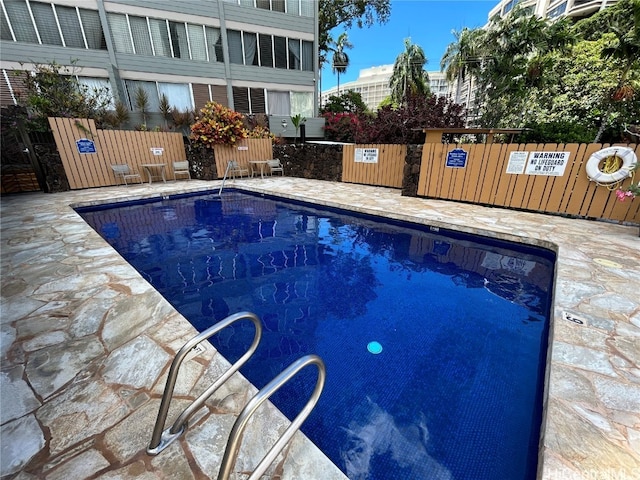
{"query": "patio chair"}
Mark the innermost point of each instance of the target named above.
(275, 166)
(181, 168)
(125, 174)
(236, 169)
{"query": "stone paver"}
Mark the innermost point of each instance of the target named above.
(86, 343)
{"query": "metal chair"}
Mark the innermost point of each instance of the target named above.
(275, 166)
(181, 168)
(124, 173)
(236, 169)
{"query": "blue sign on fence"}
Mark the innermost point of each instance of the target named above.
(457, 158)
(85, 145)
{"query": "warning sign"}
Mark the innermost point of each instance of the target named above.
(366, 155)
(547, 163)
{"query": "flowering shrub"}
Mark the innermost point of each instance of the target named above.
(218, 125)
(341, 127)
(632, 191)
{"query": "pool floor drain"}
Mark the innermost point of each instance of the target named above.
(374, 347)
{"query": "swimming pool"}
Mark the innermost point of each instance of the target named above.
(455, 391)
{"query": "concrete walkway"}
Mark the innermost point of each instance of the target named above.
(86, 344)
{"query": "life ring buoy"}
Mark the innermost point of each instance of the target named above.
(628, 157)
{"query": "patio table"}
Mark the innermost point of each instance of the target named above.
(149, 169)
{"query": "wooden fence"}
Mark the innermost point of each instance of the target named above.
(484, 180)
(88, 153)
(246, 150)
(380, 165)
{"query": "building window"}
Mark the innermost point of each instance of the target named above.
(179, 42)
(266, 50)
(70, 27)
(280, 50)
(257, 100)
(294, 54)
(99, 87)
(197, 42)
(250, 48)
(279, 103)
(20, 19)
(92, 29)
(178, 94)
(293, 7)
(307, 8)
(120, 33)
(302, 103)
(46, 23)
(160, 37)
(214, 44)
(557, 11)
(140, 34)
(153, 101)
(234, 39)
(241, 99)
(307, 56)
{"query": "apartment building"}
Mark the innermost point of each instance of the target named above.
(553, 8)
(373, 85)
(255, 56)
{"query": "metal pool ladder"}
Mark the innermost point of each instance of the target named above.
(226, 172)
(161, 439)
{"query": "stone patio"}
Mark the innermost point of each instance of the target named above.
(86, 344)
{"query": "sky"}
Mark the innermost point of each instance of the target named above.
(428, 23)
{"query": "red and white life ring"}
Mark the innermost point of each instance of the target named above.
(629, 160)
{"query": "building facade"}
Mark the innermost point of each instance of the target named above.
(254, 56)
(373, 85)
(552, 8)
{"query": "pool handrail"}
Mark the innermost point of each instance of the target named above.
(161, 438)
(235, 438)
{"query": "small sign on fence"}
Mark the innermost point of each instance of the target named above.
(243, 147)
(457, 158)
(366, 155)
(157, 150)
(517, 161)
(547, 163)
(84, 145)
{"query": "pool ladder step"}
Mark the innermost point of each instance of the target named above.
(162, 438)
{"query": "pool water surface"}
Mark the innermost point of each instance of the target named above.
(434, 342)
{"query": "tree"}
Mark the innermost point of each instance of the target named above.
(340, 61)
(349, 101)
(334, 13)
(54, 91)
(409, 77)
(626, 51)
(462, 57)
(511, 64)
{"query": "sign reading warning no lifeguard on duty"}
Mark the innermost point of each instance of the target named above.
(547, 163)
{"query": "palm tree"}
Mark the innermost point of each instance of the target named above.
(340, 59)
(462, 57)
(408, 75)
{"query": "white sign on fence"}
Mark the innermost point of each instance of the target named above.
(366, 155)
(517, 161)
(157, 150)
(547, 163)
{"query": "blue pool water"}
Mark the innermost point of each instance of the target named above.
(434, 342)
